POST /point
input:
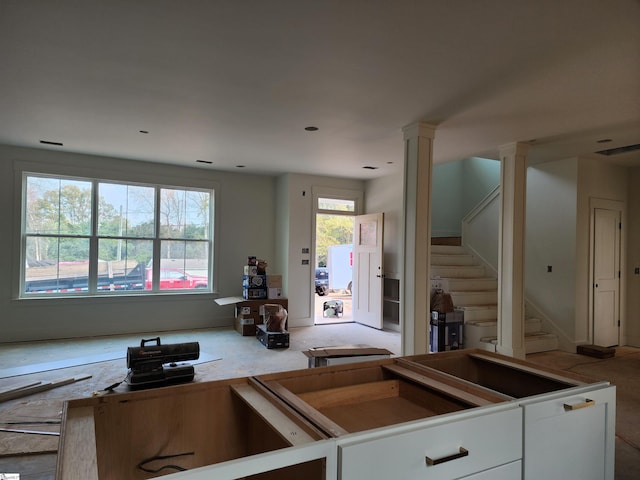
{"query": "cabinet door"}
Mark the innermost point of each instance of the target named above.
(571, 436)
(449, 449)
(510, 471)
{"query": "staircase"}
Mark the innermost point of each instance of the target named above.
(455, 271)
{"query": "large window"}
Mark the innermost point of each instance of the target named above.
(86, 237)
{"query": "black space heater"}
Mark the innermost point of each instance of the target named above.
(153, 364)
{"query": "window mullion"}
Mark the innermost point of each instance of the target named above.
(157, 250)
(93, 240)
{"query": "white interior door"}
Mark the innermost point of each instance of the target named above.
(606, 277)
(368, 269)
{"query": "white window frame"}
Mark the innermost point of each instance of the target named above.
(93, 237)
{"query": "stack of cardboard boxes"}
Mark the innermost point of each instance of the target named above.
(248, 314)
(256, 284)
(258, 289)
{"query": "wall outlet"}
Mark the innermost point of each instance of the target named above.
(636, 271)
(549, 268)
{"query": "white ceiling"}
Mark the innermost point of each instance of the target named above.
(236, 82)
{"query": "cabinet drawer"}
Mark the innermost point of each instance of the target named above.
(571, 436)
(455, 449)
(510, 471)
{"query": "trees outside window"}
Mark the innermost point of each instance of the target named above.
(89, 236)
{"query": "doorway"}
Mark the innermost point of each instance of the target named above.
(606, 245)
(335, 211)
(333, 279)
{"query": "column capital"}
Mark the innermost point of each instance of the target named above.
(514, 149)
(419, 129)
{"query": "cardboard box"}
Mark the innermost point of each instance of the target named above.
(274, 281)
(272, 339)
(254, 281)
(250, 269)
(254, 293)
(249, 308)
(337, 355)
(274, 292)
(245, 325)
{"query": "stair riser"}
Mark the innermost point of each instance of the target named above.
(452, 260)
(457, 272)
(544, 344)
(490, 328)
(488, 313)
(474, 298)
(447, 250)
(530, 346)
(466, 284)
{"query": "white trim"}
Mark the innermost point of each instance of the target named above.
(24, 169)
(318, 192)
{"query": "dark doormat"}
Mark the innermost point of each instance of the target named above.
(596, 351)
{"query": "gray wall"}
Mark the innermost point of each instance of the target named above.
(457, 188)
(632, 324)
(385, 195)
(551, 241)
(245, 225)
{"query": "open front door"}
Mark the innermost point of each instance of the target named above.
(368, 271)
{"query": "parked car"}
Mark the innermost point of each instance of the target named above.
(176, 278)
(322, 281)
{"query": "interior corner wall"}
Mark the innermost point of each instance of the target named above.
(243, 227)
(480, 177)
(457, 188)
(632, 324)
(385, 195)
(447, 199)
(282, 226)
(596, 179)
(550, 240)
(300, 236)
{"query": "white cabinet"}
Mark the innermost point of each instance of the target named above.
(469, 415)
(570, 436)
(510, 471)
(568, 423)
(449, 450)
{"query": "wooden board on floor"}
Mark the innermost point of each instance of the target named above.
(596, 351)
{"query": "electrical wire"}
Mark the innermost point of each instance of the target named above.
(163, 457)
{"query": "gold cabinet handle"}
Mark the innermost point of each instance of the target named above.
(435, 461)
(576, 406)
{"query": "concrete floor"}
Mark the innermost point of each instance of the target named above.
(33, 456)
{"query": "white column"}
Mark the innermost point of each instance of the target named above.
(416, 286)
(513, 189)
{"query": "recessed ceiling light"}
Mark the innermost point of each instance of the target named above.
(311, 129)
(144, 131)
(47, 142)
(604, 140)
(208, 162)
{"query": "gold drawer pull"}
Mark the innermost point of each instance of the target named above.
(575, 406)
(435, 461)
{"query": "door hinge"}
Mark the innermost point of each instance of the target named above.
(618, 323)
(618, 273)
(620, 226)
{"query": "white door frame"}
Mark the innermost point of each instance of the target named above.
(357, 196)
(605, 204)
